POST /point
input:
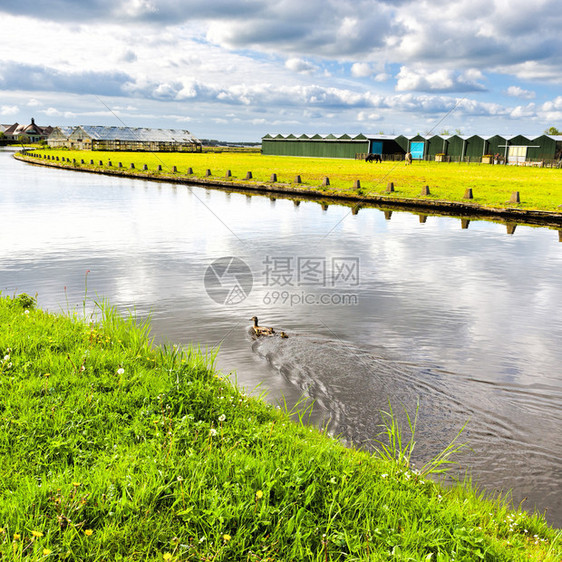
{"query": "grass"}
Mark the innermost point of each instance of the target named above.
(540, 188)
(113, 449)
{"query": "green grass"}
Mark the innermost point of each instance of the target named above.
(112, 449)
(540, 188)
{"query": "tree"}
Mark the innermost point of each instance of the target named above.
(553, 131)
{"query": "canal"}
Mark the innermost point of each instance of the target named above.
(381, 309)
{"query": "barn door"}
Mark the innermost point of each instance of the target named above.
(376, 147)
(516, 154)
(416, 149)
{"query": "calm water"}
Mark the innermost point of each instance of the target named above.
(467, 321)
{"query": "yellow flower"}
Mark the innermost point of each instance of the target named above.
(88, 532)
(46, 551)
(17, 536)
(37, 534)
(226, 538)
(167, 556)
(259, 495)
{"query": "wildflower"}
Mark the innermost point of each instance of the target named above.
(26, 312)
(222, 418)
(121, 371)
(47, 551)
(212, 432)
(226, 538)
(88, 532)
(6, 357)
(167, 556)
(47, 375)
(17, 536)
(37, 534)
(259, 495)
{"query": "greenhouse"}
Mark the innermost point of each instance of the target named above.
(85, 137)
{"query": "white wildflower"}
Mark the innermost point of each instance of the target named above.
(222, 418)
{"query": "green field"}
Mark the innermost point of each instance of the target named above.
(539, 188)
(112, 449)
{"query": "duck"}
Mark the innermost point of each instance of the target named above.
(283, 335)
(261, 330)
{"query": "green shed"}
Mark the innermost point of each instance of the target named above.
(319, 146)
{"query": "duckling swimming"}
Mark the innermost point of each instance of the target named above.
(283, 335)
(261, 330)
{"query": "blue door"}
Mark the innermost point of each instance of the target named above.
(416, 148)
(376, 147)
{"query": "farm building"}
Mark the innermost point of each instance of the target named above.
(86, 137)
(512, 149)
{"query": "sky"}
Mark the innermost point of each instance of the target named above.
(236, 70)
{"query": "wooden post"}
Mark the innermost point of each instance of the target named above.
(387, 215)
(326, 182)
(208, 172)
(82, 161)
(189, 171)
(511, 226)
(174, 169)
(357, 184)
(423, 219)
(120, 165)
(132, 165)
(159, 167)
(145, 167)
(91, 162)
(515, 197)
(273, 178)
(109, 163)
(297, 179)
(249, 176)
(390, 187)
(465, 223)
(228, 174)
(468, 194)
(425, 190)
(101, 162)
(355, 209)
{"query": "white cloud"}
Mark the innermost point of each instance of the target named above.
(9, 110)
(361, 69)
(300, 65)
(442, 80)
(517, 92)
(365, 116)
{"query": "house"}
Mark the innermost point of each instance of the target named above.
(29, 133)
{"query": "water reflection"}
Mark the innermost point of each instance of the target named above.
(456, 313)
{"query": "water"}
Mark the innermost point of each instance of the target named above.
(464, 321)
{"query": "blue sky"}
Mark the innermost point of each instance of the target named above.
(238, 69)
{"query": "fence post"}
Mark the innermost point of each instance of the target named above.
(390, 187)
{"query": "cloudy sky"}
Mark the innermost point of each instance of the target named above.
(238, 69)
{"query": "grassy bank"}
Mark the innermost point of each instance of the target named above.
(112, 449)
(540, 188)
